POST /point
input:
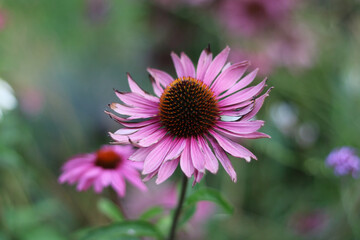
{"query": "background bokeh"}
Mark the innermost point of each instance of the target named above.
(59, 63)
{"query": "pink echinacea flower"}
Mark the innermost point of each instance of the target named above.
(185, 123)
(109, 166)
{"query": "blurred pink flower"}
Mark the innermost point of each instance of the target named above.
(31, 101)
(109, 166)
(163, 195)
(257, 58)
(248, 17)
(97, 10)
(195, 228)
(2, 19)
(309, 223)
(293, 48)
(184, 123)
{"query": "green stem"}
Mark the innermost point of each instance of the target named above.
(178, 208)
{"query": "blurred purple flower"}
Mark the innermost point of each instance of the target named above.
(344, 161)
(248, 17)
(109, 166)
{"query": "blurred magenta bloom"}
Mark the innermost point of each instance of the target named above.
(97, 10)
(248, 17)
(2, 19)
(32, 101)
(164, 195)
(344, 161)
(294, 47)
(258, 58)
(309, 223)
(109, 166)
(184, 122)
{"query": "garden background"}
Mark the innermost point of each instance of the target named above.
(59, 63)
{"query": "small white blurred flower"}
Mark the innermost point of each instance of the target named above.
(7, 98)
(284, 115)
(307, 134)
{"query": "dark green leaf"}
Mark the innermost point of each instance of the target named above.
(110, 210)
(212, 195)
(151, 213)
(187, 213)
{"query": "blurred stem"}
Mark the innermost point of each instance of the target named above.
(178, 208)
(348, 209)
(115, 199)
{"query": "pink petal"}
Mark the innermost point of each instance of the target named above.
(133, 177)
(166, 170)
(203, 64)
(228, 77)
(158, 90)
(240, 126)
(152, 138)
(161, 77)
(211, 163)
(176, 150)
(258, 104)
(224, 160)
(242, 83)
(127, 131)
(185, 160)
(145, 132)
(239, 112)
(178, 65)
(243, 95)
(78, 160)
(88, 178)
(216, 66)
(140, 134)
(73, 175)
(98, 185)
(197, 156)
(118, 183)
(157, 155)
(150, 175)
(188, 66)
(137, 101)
(237, 105)
(125, 122)
(140, 154)
(233, 148)
(197, 177)
(84, 184)
(136, 89)
(120, 139)
(134, 112)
